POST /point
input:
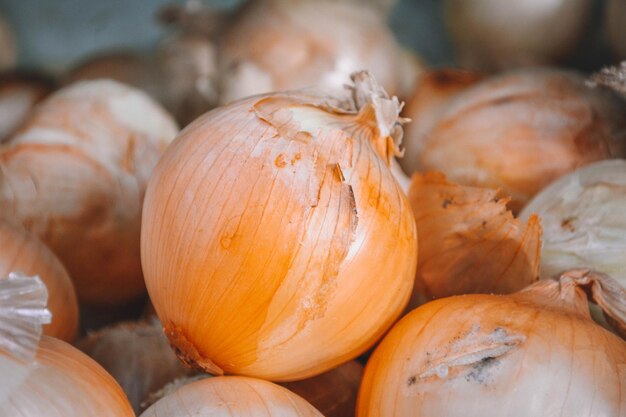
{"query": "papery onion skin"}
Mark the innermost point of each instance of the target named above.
(231, 396)
(583, 218)
(534, 353)
(19, 93)
(521, 130)
(275, 241)
(8, 47)
(22, 252)
(75, 176)
(469, 242)
(63, 382)
(616, 26)
(279, 45)
(492, 35)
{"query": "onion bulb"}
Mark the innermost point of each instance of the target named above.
(75, 175)
(231, 396)
(8, 48)
(533, 353)
(469, 242)
(616, 26)
(24, 253)
(277, 45)
(19, 93)
(137, 355)
(519, 131)
(492, 34)
(275, 241)
(583, 218)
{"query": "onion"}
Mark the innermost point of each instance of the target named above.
(47, 377)
(469, 242)
(24, 253)
(616, 26)
(521, 130)
(583, 218)
(19, 92)
(75, 176)
(492, 34)
(275, 241)
(231, 396)
(276, 45)
(137, 355)
(533, 353)
(8, 48)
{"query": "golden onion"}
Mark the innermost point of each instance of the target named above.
(275, 241)
(533, 353)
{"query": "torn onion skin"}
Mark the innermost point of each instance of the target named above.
(63, 382)
(231, 396)
(276, 242)
(520, 130)
(469, 241)
(75, 176)
(22, 252)
(535, 353)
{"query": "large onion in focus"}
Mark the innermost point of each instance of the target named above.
(275, 241)
(534, 353)
(495, 34)
(75, 175)
(616, 26)
(278, 45)
(583, 215)
(519, 131)
(8, 48)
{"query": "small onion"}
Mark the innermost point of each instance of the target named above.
(275, 241)
(8, 48)
(469, 242)
(495, 34)
(278, 45)
(584, 222)
(137, 355)
(19, 93)
(521, 130)
(534, 353)
(616, 26)
(75, 176)
(24, 253)
(231, 396)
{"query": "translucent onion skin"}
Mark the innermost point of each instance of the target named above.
(8, 48)
(231, 396)
(521, 130)
(75, 176)
(616, 26)
(533, 353)
(279, 45)
(63, 382)
(276, 242)
(23, 252)
(469, 242)
(583, 218)
(492, 35)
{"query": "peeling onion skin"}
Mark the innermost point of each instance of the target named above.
(469, 242)
(19, 93)
(282, 210)
(535, 353)
(280, 45)
(137, 355)
(583, 216)
(63, 382)
(75, 175)
(615, 21)
(496, 35)
(231, 396)
(521, 130)
(22, 252)
(8, 47)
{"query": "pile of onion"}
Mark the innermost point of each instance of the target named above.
(75, 175)
(469, 242)
(519, 131)
(275, 241)
(492, 34)
(8, 48)
(43, 376)
(534, 353)
(279, 45)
